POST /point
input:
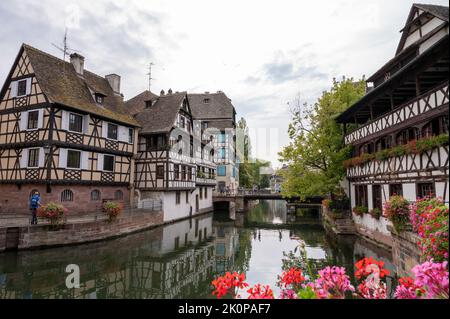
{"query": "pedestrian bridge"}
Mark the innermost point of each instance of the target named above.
(263, 194)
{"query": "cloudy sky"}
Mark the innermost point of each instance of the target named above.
(260, 53)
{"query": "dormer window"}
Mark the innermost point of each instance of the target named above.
(207, 100)
(99, 98)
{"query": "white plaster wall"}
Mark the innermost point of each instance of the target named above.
(373, 224)
(431, 25)
(204, 203)
(172, 210)
(442, 190)
(409, 192)
(180, 229)
(413, 37)
(369, 197)
(385, 193)
(352, 191)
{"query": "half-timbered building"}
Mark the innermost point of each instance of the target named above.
(173, 164)
(399, 129)
(217, 116)
(64, 132)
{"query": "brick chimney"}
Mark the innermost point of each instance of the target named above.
(77, 62)
(114, 82)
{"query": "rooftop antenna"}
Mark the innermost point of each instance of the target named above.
(150, 75)
(64, 49)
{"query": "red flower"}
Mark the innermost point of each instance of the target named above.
(363, 269)
(228, 281)
(260, 292)
(292, 277)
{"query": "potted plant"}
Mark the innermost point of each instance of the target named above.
(375, 213)
(326, 202)
(54, 213)
(112, 209)
(360, 210)
(397, 211)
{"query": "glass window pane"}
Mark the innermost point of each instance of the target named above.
(22, 88)
(33, 157)
(112, 131)
(108, 163)
(33, 119)
(73, 159)
(75, 122)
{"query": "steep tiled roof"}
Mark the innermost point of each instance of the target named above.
(211, 106)
(160, 117)
(439, 11)
(221, 124)
(61, 84)
(137, 103)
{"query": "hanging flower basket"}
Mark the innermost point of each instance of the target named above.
(112, 210)
(360, 210)
(55, 213)
(397, 211)
(375, 213)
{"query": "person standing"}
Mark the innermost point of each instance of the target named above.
(35, 202)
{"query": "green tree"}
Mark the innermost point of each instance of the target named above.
(315, 153)
(249, 168)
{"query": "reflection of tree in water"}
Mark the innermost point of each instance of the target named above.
(259, 213)
(337, 252)
(244, 252)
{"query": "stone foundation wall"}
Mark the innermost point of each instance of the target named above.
(29, 237)
(38, 236)
(374, 235)
(14, 200)
(405, 252)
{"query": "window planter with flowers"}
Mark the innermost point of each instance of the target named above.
(412, 147)
(397, 211)
(375, 213)
(55, 213)
(112, 210)
(360, 210)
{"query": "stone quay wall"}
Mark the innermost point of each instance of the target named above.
(405, 252)
(38, 236)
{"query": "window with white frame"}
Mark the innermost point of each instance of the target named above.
(33, 119)
(130, 136)
(33, 157)
(22, 87)
(73, 159)
(112, 130)
(75, 122)
(108, 163)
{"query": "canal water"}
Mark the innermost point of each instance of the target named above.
(180, 260)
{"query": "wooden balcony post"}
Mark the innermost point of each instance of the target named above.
(417, 85)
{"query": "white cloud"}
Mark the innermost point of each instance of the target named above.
(261, 53)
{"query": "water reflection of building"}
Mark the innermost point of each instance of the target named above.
(176, 261)
(226, 243)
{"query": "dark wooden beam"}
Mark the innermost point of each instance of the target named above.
(417, 85)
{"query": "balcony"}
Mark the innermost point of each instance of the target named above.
(409, 111)
(409, 165)
(205, 181)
